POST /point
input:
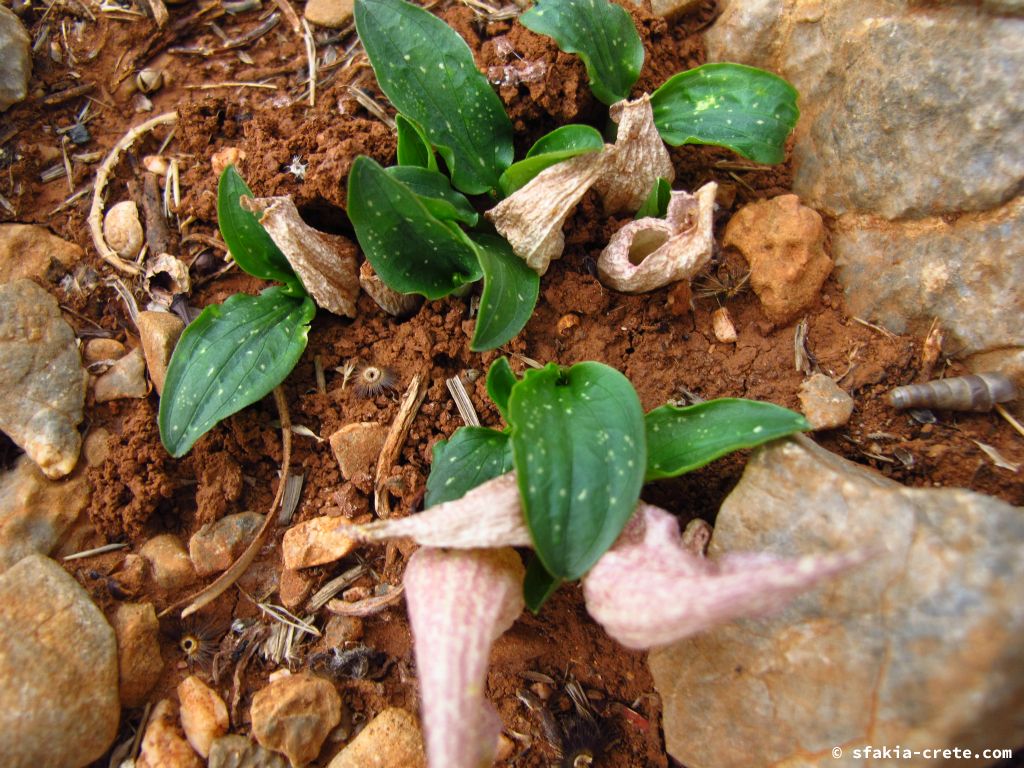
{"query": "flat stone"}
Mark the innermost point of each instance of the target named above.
(391, 740)
(920, 646)
(784, 244)
(357, 446)
(333, 14)
(102, 350)
(58, 669)
(159, 332)
(234, 751)
(294, 714)
(42, 382)
(125, 379)
(28, 250)
(293, 589)
(163, 745)
(16, 63)
(315, 542)
(204, 715)
(967, 274)
(138, 651)
(825, 404)
(215, 546)
(169, 562)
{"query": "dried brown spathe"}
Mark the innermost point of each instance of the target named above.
(325, 263)
(649, 253)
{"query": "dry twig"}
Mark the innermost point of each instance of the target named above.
(393, 444)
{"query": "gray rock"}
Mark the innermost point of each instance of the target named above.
(234, 751)
(58, 667)
(27, 250)
(216, 545)
(967, 274)
(921, 646)
(16, 63)
(42, 383)
(124, 379)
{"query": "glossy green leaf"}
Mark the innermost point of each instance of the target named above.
(408, 247)
(748, 110)
(656, 204)
(473, 456)
(249, 244)
(509, 295)
(538, 585)
(229, 357)
(561, 144)
(601, 33)
(683, 439)
(579, 450)
(500, 380)
(413, 145)
(436, 193)
(428, 73)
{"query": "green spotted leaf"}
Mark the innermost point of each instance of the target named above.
(249, 244)
(473, 456)
(509, 296)
(680, 440)
(748, 110)
(601, 33)
(413, 145)
(229, 357)
(500, 380)
(561, 144)
(428, 73)
(436, 193)
(408, 247)
(656, 204)
(579, 451)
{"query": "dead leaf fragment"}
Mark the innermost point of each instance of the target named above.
(325, 263)
(649, 253)
(460, 602)
(166, 277)
(637, 159)
(531, 218)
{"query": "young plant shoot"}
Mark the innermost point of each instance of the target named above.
(420, 232)
(235, 353)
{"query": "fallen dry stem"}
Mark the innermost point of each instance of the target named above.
(1009, 418)
(393, 444)
(206, 596)
(103, 174)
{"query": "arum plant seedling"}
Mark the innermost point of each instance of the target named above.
(419, 228)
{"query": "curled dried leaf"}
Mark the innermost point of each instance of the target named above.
(391, 301)
(637, 159)
(325, 263)
(490, 515)
(649, 253)
(532, 218)
(460, 602)
(166, 276)
(650, 590)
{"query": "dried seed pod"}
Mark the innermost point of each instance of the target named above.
(149, 80)
(371, 380)
(978, 392)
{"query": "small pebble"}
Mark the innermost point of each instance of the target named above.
(123, 230)
(825, 404)
(294, 714)
(204, 716)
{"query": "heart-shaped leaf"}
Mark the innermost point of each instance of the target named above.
(601, 33)
(249, 244)
(682, 439)
(500, 380)
(473, 456)
(229, 357)
(748, 110)
(413, 145)
(561, 144)
(436, 193)
(509, 296)
(579, 451)
(409, 248)
(656, 204)
(428, 73)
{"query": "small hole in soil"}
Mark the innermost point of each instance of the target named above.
(644, 244)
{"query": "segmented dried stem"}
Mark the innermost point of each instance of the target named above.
(393, 444)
